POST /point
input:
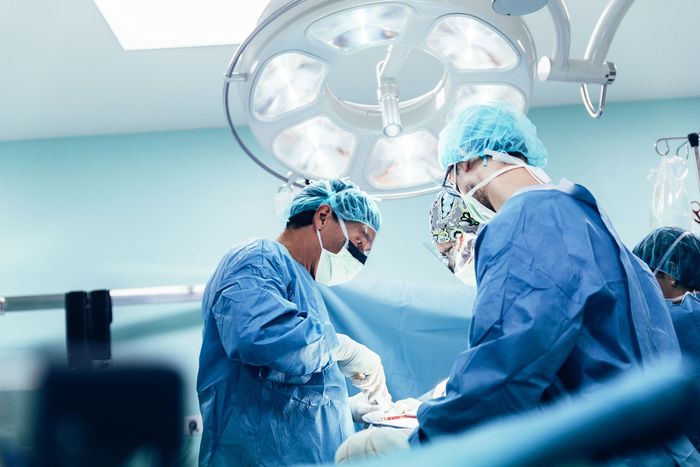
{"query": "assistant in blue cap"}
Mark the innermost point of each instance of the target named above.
(673, 255)
(272, 369)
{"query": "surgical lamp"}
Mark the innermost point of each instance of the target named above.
(344, 88)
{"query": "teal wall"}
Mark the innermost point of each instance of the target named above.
(613, 156)
(161, 209)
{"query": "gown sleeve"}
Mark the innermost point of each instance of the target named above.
(259, 325)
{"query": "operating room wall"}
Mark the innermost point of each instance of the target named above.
(613, 156)
(153, 209)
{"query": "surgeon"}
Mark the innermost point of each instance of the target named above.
(561, 304)
(272, 369)
(673, 254)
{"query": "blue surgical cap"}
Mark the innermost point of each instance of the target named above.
(497, 127)
(682, 262)
(345, 199)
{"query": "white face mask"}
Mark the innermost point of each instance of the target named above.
(467, 274)
(459, 259)
(481, 213)
(679, 299)
(341, 267)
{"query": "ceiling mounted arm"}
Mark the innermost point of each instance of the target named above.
(388, 89)
(593, 69)
(360, 90)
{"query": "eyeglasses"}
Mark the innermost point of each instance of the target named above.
(443, 257)
(452, 187)
(448, 185)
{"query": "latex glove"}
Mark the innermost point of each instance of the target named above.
(360, 406)
(440, 390)
(365, 370)
(373, 385)
(406, 406)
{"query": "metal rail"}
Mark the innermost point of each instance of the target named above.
(120, 297)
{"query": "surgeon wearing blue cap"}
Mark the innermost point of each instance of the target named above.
(673, 255)
(561, 306)
(272, 369)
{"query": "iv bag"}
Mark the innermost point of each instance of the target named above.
(283, 200)
(671, 205)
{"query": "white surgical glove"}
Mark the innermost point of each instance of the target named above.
(406, 406)
(365, 370)
(360, 406)
(440, 390)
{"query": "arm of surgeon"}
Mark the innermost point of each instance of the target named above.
(261, 327)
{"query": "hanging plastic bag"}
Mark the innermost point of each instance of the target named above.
(283, 200)
(670, 204)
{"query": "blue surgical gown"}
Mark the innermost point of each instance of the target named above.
(561, 306)
(269, 390)
(686, 321)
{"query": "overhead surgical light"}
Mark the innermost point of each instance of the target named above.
(343, 88)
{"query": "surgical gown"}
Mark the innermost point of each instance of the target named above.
(686, 321)
(269, 390)
(561, 306)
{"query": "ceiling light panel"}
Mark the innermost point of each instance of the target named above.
(162, 24)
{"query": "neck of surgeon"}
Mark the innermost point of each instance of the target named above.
(498, 190)
(302, 245)
(671, 288)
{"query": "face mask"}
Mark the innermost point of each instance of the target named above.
(480, 212)
(459, 259)
(677, 300)
(467, 275)
(466, 271)
(341, 267)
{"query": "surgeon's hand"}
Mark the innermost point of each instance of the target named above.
(406, 406)
(365, 370)
(440, 390)
(360, 406)
(373, 385)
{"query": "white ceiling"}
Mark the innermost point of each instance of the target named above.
(63, 73)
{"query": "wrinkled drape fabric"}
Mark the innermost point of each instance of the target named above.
(269, 390)
(561, 306)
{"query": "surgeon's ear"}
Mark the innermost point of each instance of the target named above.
(463, 166)
(322, 216)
